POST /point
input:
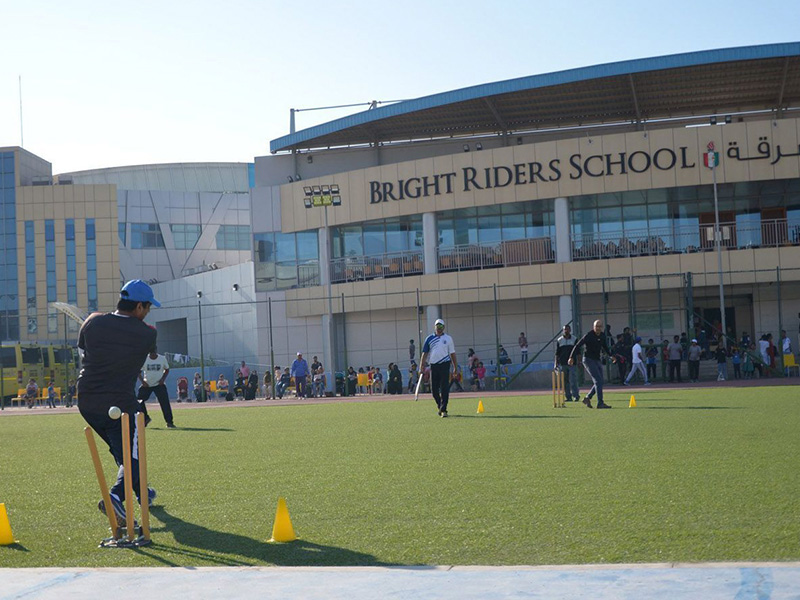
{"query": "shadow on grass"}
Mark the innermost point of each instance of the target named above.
(485, 416)
(692, 407)
(17, 546)
(179, 428)
(198, 542)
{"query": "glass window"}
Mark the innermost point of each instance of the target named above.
(307, 245)
(285, 247)
(233, 237)
(514, 226)
(374, 240)
(396, 237)
(121, 233)
(353, 243)
(143, 235)
(185, 236)
(90, 231)
(489, 230)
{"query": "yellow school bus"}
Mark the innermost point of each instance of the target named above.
(42, 362)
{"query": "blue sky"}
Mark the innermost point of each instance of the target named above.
(107, 84)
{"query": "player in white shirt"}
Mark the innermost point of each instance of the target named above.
(152, 376)
(638, 363)
(440, 352)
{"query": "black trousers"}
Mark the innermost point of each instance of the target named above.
(694, 370)
(674, 369)
(110, 430)
(163, 399)
(440, 384)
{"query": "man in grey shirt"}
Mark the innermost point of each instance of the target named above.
(694, 361)
(675, 351)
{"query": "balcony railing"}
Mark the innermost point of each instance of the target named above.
(362, 268)
(670, 240)
(509, 253)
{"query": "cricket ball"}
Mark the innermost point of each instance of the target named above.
(115, 412)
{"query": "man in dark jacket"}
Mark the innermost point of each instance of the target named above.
(596, 344)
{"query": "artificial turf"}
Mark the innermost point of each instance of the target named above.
(688, 475)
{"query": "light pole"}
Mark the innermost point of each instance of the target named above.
(712, 158)
(202, 356)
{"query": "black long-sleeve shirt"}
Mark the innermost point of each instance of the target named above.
(595, 344)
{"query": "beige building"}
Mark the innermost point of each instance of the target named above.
(60, 245)
(518, 206)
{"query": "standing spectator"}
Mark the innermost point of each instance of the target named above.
(352, 381)
(472, 359)
(51, 395)
(413, 373)
(503, 355)
(637, 364)
(564, 346)
(377, 381)
(267, 384)
(722, 363)
(745, 343)
(70, 393)
(675, 352)
(652, 356)
(412, 352)
(595, 344)
(684, 340)
(664, 359)
(299, 371)
(480, 371)
(736, 359)
(786, 343)
(619, 352)
(315, 364)
(152, 376)
(747, 367)
(198, 387)
(693, 357)
(245, 370)
(283, 383)
(395, 383)
(183, 389)
(440, 351)
(523, 347)
(763, 351)
(31, 392)
(251, 386)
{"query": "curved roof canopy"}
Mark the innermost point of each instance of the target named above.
(725, 81)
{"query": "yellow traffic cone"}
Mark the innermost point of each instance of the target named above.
(282, 530)
(6, 538)
(633, 402)
(480, 406)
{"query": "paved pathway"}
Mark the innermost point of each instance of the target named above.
(737, 581)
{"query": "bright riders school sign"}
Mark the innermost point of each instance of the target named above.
(528, 173)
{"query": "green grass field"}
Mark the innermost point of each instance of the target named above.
(688, 475)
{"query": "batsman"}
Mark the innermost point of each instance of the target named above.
(115, 346)
(440, 352)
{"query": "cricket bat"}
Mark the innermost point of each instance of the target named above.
(419, 383)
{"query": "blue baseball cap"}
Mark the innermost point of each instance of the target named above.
(138, 291)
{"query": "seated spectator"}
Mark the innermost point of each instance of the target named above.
(318, 383)
(377, 381)
(198, 387)
(267, 384)
(283, 383)
(352, 381)
(455, 380)
(183, 389)
(239, 384)
(31, 392)
(472, 359)
(223, 387)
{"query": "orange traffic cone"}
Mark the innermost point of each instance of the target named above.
(282, 530)
(6, 538)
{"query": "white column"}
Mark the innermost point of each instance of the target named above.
(563, 244)
(430, 241)
(565, 311)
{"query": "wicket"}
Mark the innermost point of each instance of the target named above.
(558, 389)
(131, 541)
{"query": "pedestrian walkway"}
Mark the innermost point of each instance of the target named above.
(738, 581)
